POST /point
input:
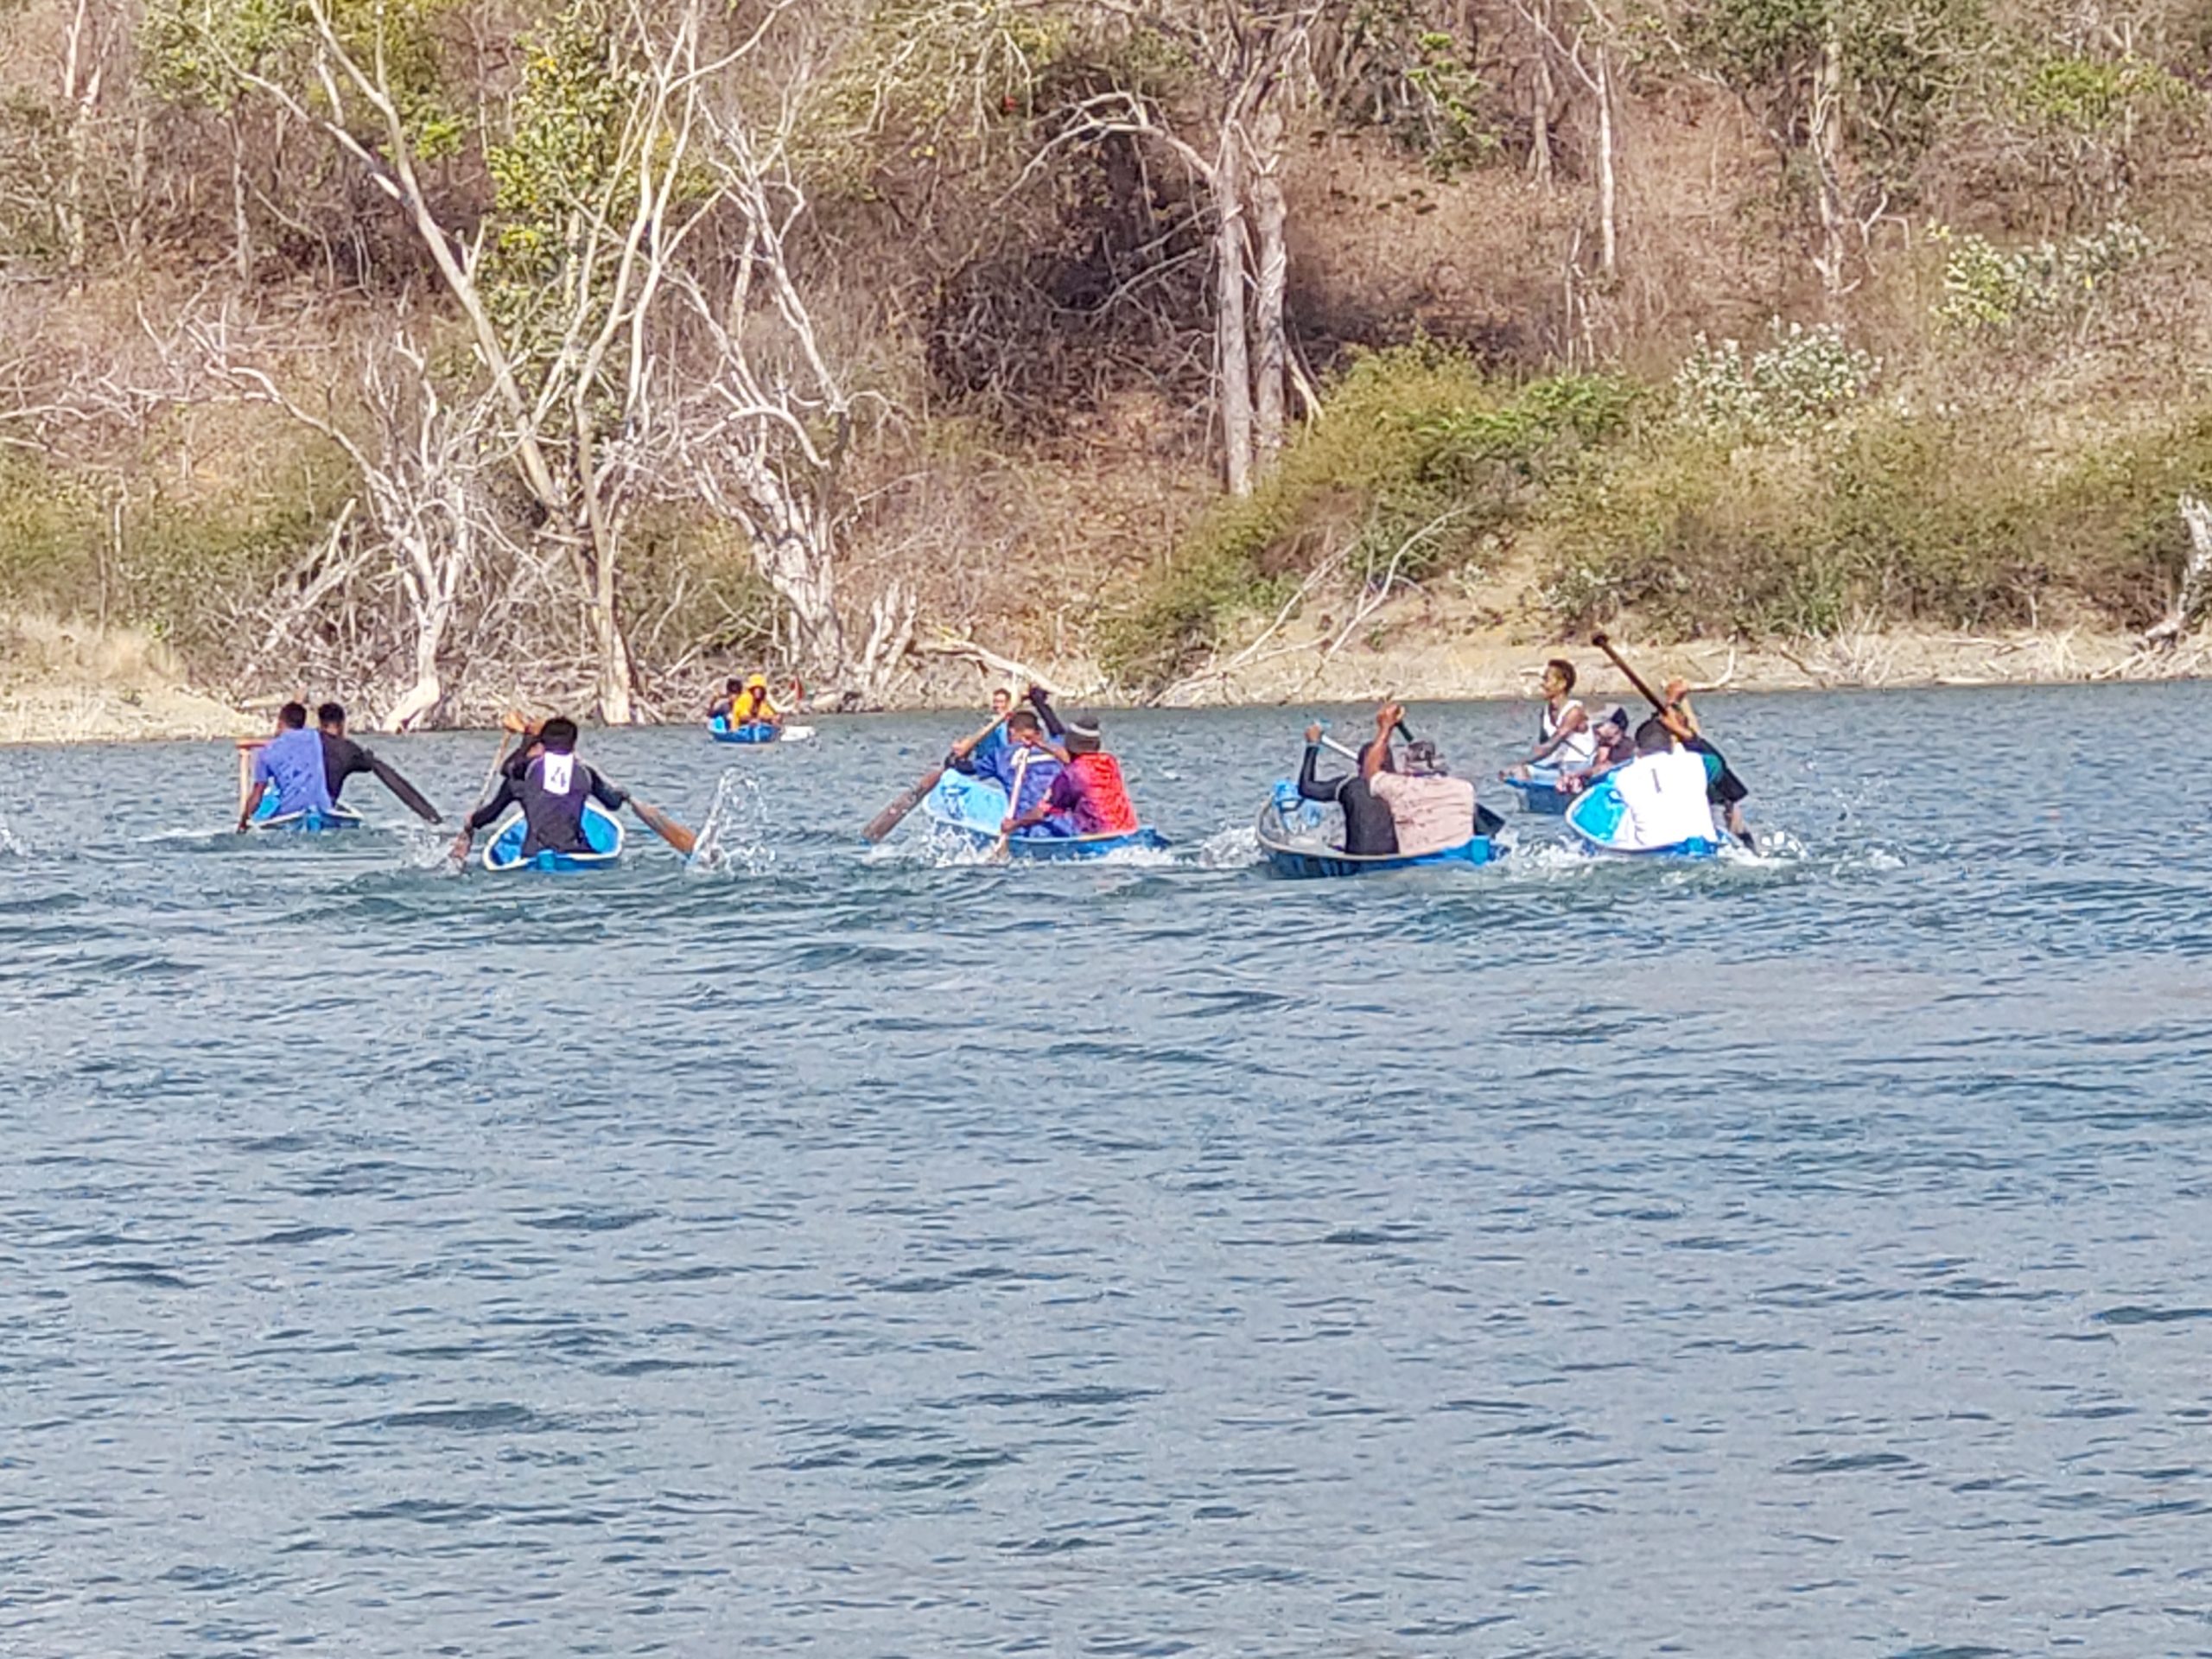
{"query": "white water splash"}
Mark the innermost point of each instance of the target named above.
(1234, 848)
(11, 844)
(735, 838)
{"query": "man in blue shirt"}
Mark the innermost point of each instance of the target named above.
(291, 761)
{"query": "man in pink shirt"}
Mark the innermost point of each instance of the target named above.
(1433, 810)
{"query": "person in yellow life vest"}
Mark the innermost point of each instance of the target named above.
(753, 706)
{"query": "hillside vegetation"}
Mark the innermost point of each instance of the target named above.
(441, 354)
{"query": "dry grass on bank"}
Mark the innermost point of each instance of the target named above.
(79, 682)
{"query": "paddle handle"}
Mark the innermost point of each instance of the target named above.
(1634, 679)
(892, 816)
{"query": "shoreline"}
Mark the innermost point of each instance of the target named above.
(72, 707)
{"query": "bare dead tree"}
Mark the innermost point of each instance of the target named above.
(421, 465)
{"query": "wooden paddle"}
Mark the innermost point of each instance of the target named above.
(410, 796)
(888, 820)
(1658, 706)
(665, 827)
(246, 747)
(1013, 805)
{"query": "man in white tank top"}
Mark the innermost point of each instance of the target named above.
(1564, 741)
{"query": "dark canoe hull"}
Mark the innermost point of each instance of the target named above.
(1598, 815)
(1062, 849)
(758, 731)
(308, 821)
(1295, 862)
(1539, 795)
(602, 831)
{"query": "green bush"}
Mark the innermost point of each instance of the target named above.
(1900, 519)
(1418, 457)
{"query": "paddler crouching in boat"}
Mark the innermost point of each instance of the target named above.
(1369, 831)
(1615, 739)
(291, 764)
(544, 778)
(342, 758)
(1725, 789)
(1088, 798)
(750, 704)
(1431, 809)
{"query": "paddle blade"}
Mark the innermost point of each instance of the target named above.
(665, 827)
(888, 820)
(410, 796)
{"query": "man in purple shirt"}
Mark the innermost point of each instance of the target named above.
(291, 761)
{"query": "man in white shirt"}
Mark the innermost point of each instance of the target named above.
(1664, 790)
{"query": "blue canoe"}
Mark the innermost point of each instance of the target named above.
(753, 732)
(1600, 816)
(308, 820)
(602, 833)
(973, 809)
(1289, 832)
(1540, 791)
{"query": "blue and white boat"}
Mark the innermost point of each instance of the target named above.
(972, 808)
(602, 833)
(1291, 840)
(1599, 817)
(308, 820)
(1540, 791)
(756, 731)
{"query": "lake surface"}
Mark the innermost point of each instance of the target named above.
(877, 1255)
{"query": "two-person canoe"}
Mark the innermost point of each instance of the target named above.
(602, 833)
(1291, 843)
(756, 731)
(1540, 791)
(971, 809)
(1599, 817)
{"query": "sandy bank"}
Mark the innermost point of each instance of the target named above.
(60, 685)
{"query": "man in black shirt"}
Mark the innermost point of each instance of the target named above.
(550, 786)
(342, 758)
(1369, 831)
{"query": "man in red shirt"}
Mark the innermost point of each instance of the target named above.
(1088, 798)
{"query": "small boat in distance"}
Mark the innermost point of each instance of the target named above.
(760, 731)
(602, 833)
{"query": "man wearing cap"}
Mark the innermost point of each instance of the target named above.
(1616, 746)
(1088, 798)
(1432, 809)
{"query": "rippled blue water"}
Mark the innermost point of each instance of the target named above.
(1806, 1256)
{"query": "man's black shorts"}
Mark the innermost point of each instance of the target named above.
(1727, 789)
